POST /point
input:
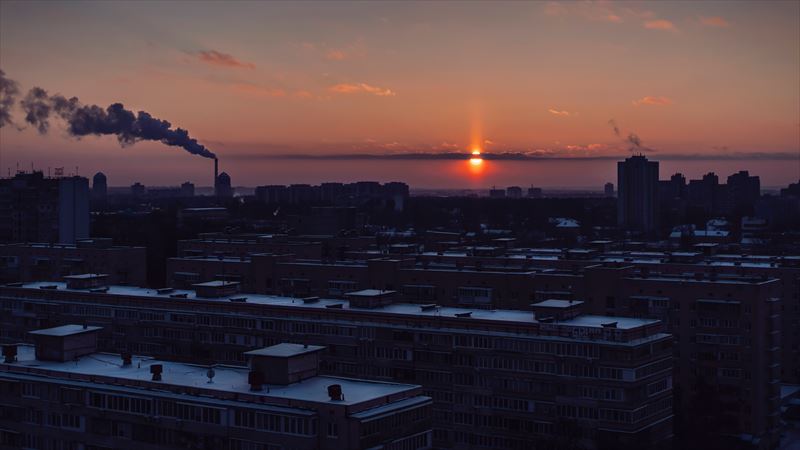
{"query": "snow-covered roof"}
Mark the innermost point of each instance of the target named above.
(65, 330)
(227, 379)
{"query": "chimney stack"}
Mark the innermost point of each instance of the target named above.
(335, 392)
(216, 174)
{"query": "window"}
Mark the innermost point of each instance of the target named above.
(333, 429)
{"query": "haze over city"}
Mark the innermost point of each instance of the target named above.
(314, 92)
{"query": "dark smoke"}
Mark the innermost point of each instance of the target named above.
(84, 120)
(633, 139)
(8, 92)
(613, 124)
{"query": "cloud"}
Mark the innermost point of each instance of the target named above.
(649, 100)
(219, 59)
(336, 55)
(559, 112)
(660, 24)
(715, 21)
(356, 88)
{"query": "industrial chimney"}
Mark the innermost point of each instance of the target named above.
(216, 175)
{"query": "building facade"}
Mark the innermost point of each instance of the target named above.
(547, 378)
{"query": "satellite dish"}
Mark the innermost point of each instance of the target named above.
(210, 374)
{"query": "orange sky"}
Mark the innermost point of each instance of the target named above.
(250, 80)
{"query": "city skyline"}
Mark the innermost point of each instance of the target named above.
(286, 93)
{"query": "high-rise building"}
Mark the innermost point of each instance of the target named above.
(34, 208)
(223, 187)
(637, 200)
(73, 209)
(99, 187)
(743, 192)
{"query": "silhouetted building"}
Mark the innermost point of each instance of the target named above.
(497, 193)
(99, 188)
(34, 208)
(608, 190)
(743, 192)
(187, 190)
(514, 192)
(534, 192)
(637, 196)
(137, 190)
(224, 189)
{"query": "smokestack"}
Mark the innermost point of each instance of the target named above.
(216, 175)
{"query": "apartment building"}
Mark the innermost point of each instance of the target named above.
(547, 378)
(62, 393)
(727, 332)
(43, 262)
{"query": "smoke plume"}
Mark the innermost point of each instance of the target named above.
(83, 120)
(633, 139)
(613, 124)
(8, 92)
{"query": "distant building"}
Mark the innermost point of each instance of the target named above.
(514, 192)
(187, 189)
(34, 208)
(534, 192)
(107, 401)
(743, 192)
(224, 189)
(137, 190)
(637, 201)
(99, 187)
(608, 190)
(497, 193)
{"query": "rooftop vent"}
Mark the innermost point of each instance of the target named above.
(163, 291)
(126, 359)
(156, 370)
(10, 353)
(285, 363)
(335, 392)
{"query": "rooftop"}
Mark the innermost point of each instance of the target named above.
(406, 309)
(227, 379)
(65, 330)
(558, 303)
(285, 350)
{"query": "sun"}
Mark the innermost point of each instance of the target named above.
(476, 161)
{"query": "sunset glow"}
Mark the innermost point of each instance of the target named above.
(711, 84)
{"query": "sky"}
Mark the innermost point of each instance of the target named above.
(550, 93)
